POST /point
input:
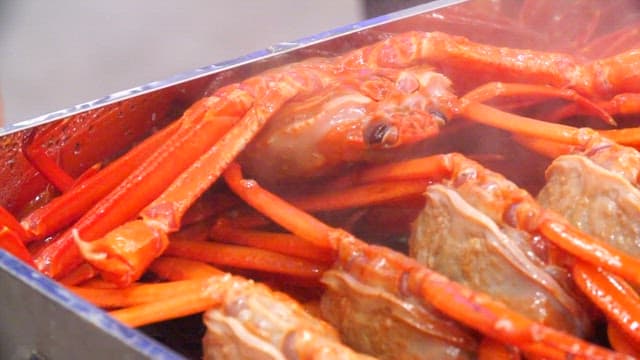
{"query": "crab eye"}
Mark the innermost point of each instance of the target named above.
(438, 114)
(380, 133)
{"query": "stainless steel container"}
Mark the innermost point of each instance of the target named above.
(40, 319)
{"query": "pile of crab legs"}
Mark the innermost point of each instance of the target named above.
(121, 224)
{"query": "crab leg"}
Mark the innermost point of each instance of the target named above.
(245, 257)
(621, 104)
(63, 210)
(9, 221)
(247, 218)
(201, 127)
(136, 294)
(368, 194)
(282, 243)
(209, 205)
(473, 309)
(173, 268)
(171, 307)
(522, 210)
(522, 125)
(581, 245)
(32, 150)
(13, 244)
(13, 237)
(246, 320)
(620, 342)
(552, 149)
(618, 73)
(195, 232)
(491, 349)
(496, 89)
(91, 137)
(628, 136)
(611, 294)
(163, 214)
(618, 304)
(209, 119)
(598, 79)
(208, 130)
(79, 275)
(168, 209)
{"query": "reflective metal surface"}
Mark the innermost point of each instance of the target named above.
(39, 319)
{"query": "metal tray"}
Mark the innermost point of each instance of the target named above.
(39, 319)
